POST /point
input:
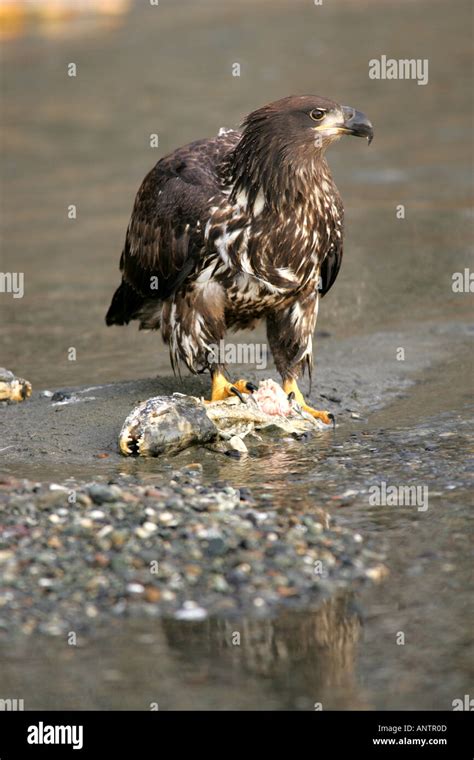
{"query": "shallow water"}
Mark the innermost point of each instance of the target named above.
(343, 655)
(85, 142)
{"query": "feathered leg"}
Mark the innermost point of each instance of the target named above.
(289, 333)
(193, 325)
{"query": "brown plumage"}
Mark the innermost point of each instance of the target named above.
(242, 227)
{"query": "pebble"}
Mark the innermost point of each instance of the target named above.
(219, 583)
(216, 547)
(118, 538)
(238, 444)
(191, 611)
(167, 518)
(96, 514)
(146, 529)
(152, 594)
(135, 588)
(102, 494)
(377, 573)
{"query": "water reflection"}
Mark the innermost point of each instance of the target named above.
(305, 656)
(290, 662)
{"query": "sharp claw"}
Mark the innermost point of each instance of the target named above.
(251, 387)
(291, 396)
(333, 420)
(235, 390)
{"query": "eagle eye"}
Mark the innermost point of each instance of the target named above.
(317, 114)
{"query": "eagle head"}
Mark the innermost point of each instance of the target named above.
(288, 135)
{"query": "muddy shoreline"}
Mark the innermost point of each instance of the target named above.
(78, 427)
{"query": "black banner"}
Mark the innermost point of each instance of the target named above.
(369, 734)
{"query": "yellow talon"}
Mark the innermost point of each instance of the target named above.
(291, 386)
(222, 388)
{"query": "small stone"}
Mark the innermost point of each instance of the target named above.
(101, 560)
(377, 573)
(145, 530)
(152, 594)
(102, 494)
(287, 591)
(191, 611)
(216, 547)
(219, 583)
(135, 588)
(46, 582)
(97, 514)
(238, 444)
(448, 567)
(192, 572)
(103, 532)
(167, 518)
(118, 538)
(59, 396)
(195, 468)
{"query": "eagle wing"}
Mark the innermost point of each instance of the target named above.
(332, 261)
(330, 268)
(165, 235)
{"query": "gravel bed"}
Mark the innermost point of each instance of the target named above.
(71, 557)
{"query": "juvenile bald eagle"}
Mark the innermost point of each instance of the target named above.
(242, 227)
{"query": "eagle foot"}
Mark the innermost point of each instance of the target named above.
(223, 388)
(294, 394)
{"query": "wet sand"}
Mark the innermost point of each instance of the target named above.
(76, 431)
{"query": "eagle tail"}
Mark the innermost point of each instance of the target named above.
(126, 302)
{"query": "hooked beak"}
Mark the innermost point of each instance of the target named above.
(356, 123)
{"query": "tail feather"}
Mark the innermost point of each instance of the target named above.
(126, 302)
